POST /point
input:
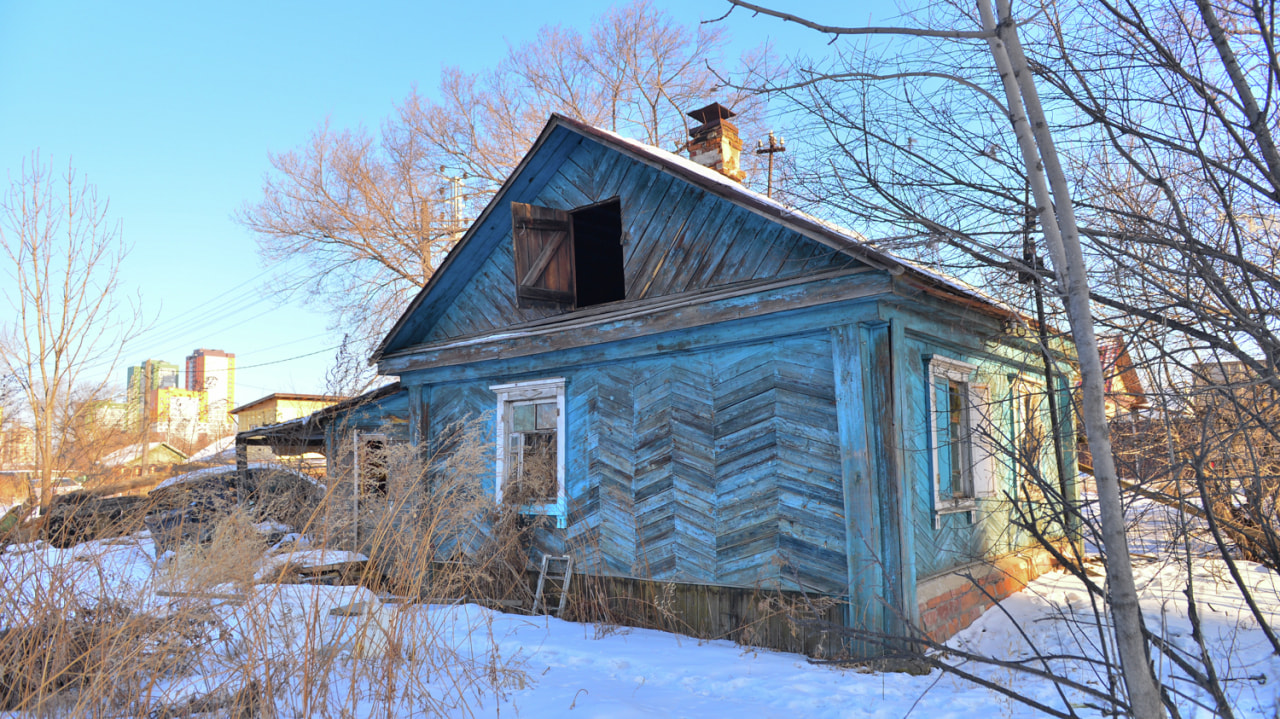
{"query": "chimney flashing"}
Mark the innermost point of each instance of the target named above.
(711, 113)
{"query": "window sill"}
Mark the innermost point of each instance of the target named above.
(954, 506)
(547, 510)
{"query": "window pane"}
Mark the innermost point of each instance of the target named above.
(536, 475)
(546, 415)
(942, 450)
(955, 435)
(523, 418)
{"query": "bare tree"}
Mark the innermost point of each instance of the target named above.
(90, 426)
(1165, 117)
(360, 222)
(64, 259)
(353, 221)
(636, 73)
(1001, 79)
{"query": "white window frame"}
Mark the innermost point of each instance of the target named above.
(508, 396)
(976, 459)
(1022, 386)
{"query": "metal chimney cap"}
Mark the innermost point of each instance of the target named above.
(711, 113)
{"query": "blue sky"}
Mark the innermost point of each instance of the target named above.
(171, 108)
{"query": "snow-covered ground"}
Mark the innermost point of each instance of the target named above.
(469, 661)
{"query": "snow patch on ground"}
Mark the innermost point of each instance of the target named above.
(471, 661)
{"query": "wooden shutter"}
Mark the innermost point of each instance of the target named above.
(543, 239)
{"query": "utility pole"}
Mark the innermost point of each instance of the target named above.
(776, 144)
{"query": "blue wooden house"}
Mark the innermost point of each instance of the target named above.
(731, 392)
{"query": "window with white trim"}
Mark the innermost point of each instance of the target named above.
(531, 437)
(959, 436)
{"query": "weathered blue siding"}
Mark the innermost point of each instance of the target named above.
(676, 238)
(675, 474)
(947, 541)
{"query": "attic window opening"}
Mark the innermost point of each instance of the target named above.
(568, 258)
(597, 253)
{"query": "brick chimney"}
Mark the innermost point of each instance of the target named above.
(714, 142)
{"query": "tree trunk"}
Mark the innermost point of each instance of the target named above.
(1063, 240)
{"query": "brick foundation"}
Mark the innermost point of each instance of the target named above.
(950, 602)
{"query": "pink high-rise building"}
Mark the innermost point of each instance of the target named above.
(214, 373)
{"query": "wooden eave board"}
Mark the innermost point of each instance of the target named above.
(643, 318)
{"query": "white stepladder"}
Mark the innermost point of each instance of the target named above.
(557, 569)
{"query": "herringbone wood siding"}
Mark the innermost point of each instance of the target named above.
(675, 472)
(709, 467)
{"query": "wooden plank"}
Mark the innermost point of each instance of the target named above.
(607, 329)
(217, 596)
(802, 250)
(776, 245)
(684, 245)
(899, 479)
(561, 192)
(705, 273)
(659, 237)
(684, 271)
(862, 529)
(648, 209)
(591, 172)
(744, 251)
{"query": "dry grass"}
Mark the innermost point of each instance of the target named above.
(229, 624)
(230, 557)
(202, 634)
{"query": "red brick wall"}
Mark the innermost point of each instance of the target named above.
(951, 602)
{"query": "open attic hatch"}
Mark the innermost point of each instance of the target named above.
(568, 258)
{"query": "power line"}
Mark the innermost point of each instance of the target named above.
(204, 308)
(288, 359)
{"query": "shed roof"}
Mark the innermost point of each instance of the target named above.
(308, 432)
(288, 397)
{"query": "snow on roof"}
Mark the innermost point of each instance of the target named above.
(133, 451)
(220, 451)
(856, 242)
(208, 472)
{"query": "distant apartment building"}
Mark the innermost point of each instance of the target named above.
(150, 376)
(17, 447)
(110, 415)
(191, 412)
(213, 373)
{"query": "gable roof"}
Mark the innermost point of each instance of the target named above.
(130, 454)
(551, 143)
(1122, 383)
